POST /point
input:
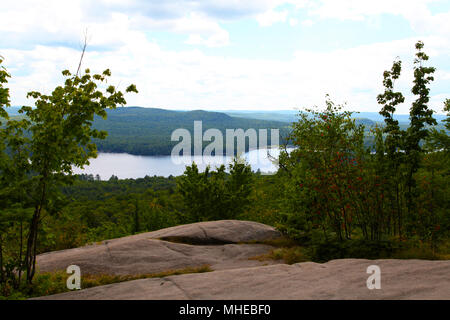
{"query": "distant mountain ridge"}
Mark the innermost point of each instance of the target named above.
(292, 115)
(147, 131)
(13, 110)
(276, 115)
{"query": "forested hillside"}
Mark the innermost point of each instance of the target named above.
(147, 131)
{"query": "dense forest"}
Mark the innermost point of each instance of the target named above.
(333, 196)
(147, 131)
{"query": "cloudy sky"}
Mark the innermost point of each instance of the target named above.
(228, 54)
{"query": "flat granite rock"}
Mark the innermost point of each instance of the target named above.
(336, 279)
(215, 243)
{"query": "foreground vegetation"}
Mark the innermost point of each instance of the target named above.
(333, 196)
(48, 283)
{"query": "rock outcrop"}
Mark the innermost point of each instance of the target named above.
(226, 247)
(218, 244)
(336, 279)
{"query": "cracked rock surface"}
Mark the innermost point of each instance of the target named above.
(336, 279)
(214, 243)
(219, 244)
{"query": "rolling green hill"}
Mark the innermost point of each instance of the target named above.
(365, 118)
(288, 116)
(147, 131)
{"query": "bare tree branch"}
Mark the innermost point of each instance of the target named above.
(83, 50)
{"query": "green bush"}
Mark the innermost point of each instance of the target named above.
(214, 194)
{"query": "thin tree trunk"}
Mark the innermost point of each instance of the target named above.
(29, 257)
(33, 234)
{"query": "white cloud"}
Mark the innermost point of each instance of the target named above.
(293, 22)
(360, 9)
(416, 12)
(192, 79)
(216, 40)
(61, 22)
(307, 23)
(270, 17)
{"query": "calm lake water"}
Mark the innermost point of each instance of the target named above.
(125, 165)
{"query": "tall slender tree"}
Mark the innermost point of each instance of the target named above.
(420, 115)
(61, 138)
(389, 100)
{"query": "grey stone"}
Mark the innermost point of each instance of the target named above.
(146, 253)
(336, 279)
(219, 244)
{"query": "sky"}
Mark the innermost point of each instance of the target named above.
(228, 54)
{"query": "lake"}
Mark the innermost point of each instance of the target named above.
(125, 165)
